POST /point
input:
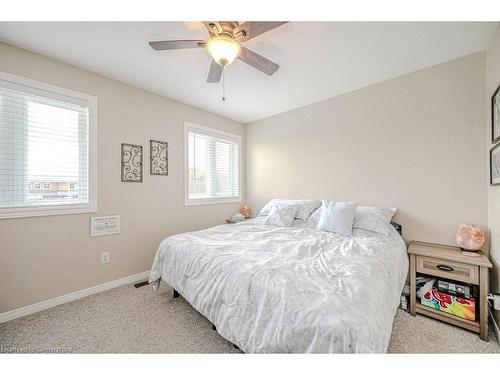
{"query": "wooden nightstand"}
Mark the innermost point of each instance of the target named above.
(448, 262)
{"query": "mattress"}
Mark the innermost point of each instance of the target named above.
(272, 289)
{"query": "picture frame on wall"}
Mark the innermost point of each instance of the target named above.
(131, 159)
(158, 158)
(495, 116)
(495, 165)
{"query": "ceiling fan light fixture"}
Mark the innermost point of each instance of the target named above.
(223, 49)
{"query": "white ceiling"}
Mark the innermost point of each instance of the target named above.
(318, 60)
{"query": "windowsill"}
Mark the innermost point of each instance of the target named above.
(45, 212)
(199, 202)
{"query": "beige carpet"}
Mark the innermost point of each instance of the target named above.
(130, 320)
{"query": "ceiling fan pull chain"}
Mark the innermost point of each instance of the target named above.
(223, 86)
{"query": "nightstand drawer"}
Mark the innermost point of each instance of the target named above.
(448, 269)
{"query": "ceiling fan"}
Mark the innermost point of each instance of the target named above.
(224, 45)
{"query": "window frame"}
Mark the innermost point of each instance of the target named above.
(61, 93)
(204, 201)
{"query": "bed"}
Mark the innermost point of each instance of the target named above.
(270, 289)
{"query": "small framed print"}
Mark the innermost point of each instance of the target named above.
(158, 158)
(495, 116)
(131, 157)
(495, 165)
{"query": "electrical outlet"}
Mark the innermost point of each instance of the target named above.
(104, 257)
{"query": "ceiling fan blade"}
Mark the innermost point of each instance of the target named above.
(214, 73)
(213, 27)
(257, 61)
(253, 28)
(176, 44)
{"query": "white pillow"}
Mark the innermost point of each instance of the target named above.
(306, 206)
(375, 219)
(282, 216)
(312, 221)
(337, 217)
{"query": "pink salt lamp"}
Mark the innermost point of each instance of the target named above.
(245, 211)
(470, 237)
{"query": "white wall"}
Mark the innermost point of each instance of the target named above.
(492, 82)
(44, 257)
(414, 142)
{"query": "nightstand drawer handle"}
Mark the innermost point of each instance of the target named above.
(444, 267)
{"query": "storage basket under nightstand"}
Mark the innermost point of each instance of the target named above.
(448, 262)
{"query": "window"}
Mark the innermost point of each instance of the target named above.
(47, 145)
(212, 165)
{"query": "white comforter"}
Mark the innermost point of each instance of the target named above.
(271, 289)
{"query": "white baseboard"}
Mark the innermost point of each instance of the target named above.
(23, 311)
(495, 325)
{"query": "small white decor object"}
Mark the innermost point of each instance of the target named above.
(104, 225)
(237, 217)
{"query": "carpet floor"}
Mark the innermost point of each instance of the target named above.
(139, 320)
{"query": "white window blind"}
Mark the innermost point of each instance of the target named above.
(44, 150)
(213, 166)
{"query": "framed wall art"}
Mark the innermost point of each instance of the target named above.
(158, 158)
(495, 165)
(495, 116)
(131, 157)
